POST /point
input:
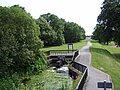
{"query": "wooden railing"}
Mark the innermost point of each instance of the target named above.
(60, 52)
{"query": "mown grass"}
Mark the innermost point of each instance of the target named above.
(77, 46)
(104, 59)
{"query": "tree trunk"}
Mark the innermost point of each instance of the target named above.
(118, 45)
(107, 42)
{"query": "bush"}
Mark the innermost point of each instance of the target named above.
(19, 42)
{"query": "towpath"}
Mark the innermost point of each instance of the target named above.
(94, 75)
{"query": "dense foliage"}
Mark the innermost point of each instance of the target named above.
(73, 32)
(19, 42)
(51, 28)
(48, 35)
(56, 31)
(108, 27)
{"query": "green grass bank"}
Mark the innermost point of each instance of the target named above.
(77, 46)
(107, 59)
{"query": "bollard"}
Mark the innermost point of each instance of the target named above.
(104, 84)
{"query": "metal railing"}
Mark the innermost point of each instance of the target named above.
(81, 68)
(82, 80)
(76, 53)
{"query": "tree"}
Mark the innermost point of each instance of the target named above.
(57, 26)
(19, 42)
(82, 33)
(56, 31)
(99, 34)
(48, 35)
(73, 32)
(109, 20)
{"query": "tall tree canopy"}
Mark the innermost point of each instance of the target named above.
(56, 31)
(57, 26)
(73, 32)
(19, 41)
(48, 35)
(109, 21)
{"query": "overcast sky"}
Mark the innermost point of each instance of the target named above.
(82, 12)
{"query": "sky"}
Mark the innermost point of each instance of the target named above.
(82, 12)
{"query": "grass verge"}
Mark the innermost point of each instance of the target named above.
(75, 82)
(103, 58)
(77, 46)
